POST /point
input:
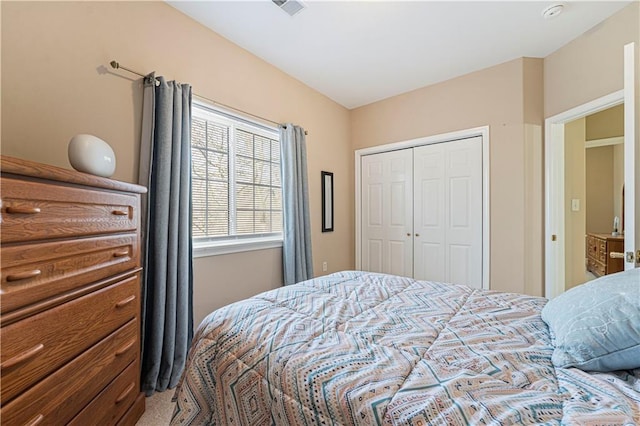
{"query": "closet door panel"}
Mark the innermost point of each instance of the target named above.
(429, 262)
(374, 257)
(448, 212)
(429, 219)
(387, 213)
(372, 214)
(397, 256)
(459, 263)
(463, 174)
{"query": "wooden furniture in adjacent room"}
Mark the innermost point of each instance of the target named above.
(69, 297)
(599, 249)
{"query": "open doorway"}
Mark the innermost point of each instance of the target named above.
(555, 201)
(593, 195)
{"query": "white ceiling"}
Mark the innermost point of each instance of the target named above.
(358, 52)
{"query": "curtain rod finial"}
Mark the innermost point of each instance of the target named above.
(114, 64)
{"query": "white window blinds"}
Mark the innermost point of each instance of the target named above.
(236, 186)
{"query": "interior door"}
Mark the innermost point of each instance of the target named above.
(448, 212)
(631, 159)
(387, 212)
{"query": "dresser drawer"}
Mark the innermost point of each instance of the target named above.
(593, 248)
(590, 241)
(108, 407)
(602, 251)
(34, 272)
(596, 267)
(42, 343)
(35, 211)
(59, 397)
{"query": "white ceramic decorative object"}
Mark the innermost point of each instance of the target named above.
(90, 154)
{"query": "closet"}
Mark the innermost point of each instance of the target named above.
(422, 212)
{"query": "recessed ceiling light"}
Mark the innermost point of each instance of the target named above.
(552, 11)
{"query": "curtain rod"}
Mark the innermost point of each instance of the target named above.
(116, 65)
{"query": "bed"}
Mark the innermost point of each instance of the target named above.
(359, 348)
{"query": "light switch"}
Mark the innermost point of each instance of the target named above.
(575, 205)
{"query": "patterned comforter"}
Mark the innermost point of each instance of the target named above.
(358, 348)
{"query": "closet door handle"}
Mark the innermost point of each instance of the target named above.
(23, 210)
(408, 234)
(126, 301)
(125, 393)
(417, 235)
(24, 275)
(23, 357)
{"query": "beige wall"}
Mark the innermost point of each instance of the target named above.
(606, 124)
(533, 90)
(533, 210)
(618, 182)
(599, 189)
(496, 97)
(533, 105)
(55, 84)
(590, 174)
(590, 66)
(574, 189)
(234, 272)
(605, 169)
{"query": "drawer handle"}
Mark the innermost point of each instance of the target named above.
(24, 275)
(19, 359)
(121, 253)
(126, 301)
(35, 421)
(23, 210)
(616, 255)
(120, 212)
(125, 393)
(126, 348)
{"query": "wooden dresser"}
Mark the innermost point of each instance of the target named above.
(599, 248)
(69, 297)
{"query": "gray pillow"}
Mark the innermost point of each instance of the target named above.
(596, 326)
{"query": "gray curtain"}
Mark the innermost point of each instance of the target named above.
(165, 169)
(296, 251)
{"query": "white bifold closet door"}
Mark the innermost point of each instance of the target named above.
(422, 212)
(387, 214)
(448, 212)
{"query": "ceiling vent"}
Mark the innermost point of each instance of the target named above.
(292, 7)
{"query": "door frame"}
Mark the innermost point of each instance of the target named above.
(483, 132)
(554, 174)
(631, 157)
(554, 277)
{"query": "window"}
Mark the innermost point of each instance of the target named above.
(236, 190)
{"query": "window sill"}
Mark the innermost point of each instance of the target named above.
(206, 249)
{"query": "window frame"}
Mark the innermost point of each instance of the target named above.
(212, 246)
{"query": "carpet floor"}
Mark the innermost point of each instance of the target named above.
(158, 409)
